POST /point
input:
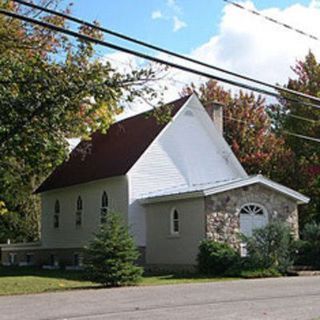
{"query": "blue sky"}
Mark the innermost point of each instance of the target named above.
(212, 31)
(133, 17)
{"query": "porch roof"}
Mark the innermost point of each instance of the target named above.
(210, 188)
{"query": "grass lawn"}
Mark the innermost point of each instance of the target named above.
(30, 280)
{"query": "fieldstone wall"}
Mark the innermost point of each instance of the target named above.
(222, 211)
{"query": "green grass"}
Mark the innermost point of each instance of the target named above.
(31, 280)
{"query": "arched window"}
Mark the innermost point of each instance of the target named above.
(79, 212)
(252, 209)
(252, 216)
(174, 222)
(57, 207)
(104, 207)
(56, 216)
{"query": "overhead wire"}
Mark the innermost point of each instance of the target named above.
(301, 136)
(280, 23)
(151, 58)
(162, 50)
(144, 56)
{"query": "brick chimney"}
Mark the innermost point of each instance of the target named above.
(215, 111)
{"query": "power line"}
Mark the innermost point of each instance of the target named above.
(151, 58)
(171, 53)
(285, 25)
(251, 125)
(302, 118)
(302, 136)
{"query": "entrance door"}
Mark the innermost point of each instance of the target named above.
(252, 216)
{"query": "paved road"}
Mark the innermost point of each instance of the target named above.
(276, 299)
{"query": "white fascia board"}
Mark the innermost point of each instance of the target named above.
(172, 197)
(262, 180)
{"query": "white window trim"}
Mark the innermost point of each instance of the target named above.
(265, 211)
(172, 221)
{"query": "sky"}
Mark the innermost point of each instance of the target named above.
(212, 31)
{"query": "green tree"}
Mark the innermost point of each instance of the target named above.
(288, 117)
(110, 257)
(51, 88)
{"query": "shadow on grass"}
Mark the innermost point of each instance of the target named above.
(38, 272)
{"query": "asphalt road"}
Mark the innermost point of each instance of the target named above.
(277, 299)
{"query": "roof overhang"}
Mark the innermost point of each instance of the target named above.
(233, 184)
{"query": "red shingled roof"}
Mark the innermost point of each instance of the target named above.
(111, 154)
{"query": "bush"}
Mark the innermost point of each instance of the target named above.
(216, 258)
(309, 246)
(270, 247)
(110, 257)
(260, 273)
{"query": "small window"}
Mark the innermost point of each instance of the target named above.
(13, 259)
(104, 207)
(175, 222)
(54, 260)
(29, 258)
(76, 260)
(57, 207)
(79, 212)
(56, 217)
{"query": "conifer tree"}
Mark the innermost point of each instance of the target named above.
(110, 258)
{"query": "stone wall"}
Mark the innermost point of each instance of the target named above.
(222, 211)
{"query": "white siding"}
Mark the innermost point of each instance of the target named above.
(188, 151)
(67, 235)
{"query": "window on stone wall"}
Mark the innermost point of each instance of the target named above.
(252, 209)
(104, 207)
(79, 212)
(175, 222)
(56, 216)
(252, 216)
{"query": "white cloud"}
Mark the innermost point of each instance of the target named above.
(172, 4)
(178, 24)
(250, 45)
(315, 4)
(156, 15)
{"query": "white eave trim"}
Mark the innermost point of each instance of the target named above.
(300, 198)
(172, 197)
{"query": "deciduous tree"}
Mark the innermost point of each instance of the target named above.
(51, 88)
